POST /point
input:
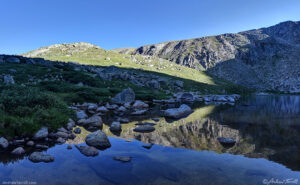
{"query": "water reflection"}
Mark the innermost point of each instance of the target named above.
(263, 126)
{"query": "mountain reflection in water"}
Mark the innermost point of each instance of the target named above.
(186, 151)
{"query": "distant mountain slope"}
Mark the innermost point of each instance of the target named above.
(266, 58)
(88, 54)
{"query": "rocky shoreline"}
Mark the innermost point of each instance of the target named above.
(90, 116)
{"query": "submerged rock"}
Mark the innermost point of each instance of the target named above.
(144, 128)
(123, 158)
(87, 150)
(126, 96)
(41, 134)
(97, 139)
(40, 157)
(3, 142)
(69, 147)
(18, 151)
(176, 113)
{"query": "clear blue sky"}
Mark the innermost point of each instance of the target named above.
(29, 24)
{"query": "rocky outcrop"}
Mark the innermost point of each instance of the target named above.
(266, 58)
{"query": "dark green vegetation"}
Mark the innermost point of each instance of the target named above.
(41, 95)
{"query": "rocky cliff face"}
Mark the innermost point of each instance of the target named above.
(266, 58)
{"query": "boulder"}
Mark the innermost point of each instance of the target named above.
(186, 97)
(30, 143)
(148, 145)
(227, 142)
(70, 124)
(60, 140)
(138, 112)
(144, 128)
(61, 134)
(77, 130)
(176, 113)
(140, 105)
(41, 134)
(81, 115)
(39, 146)
(37, 157)
(178, 83)
(18, 151)
(3, 142)
(98, 139)
(155, 119)
(102, 109)
(87, 150)
(94, 121)
(153, 84)
(12, 60)
(115, 127)
(8, 79)
(122, 109)
(125, 96)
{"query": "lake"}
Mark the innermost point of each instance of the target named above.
(186, 151)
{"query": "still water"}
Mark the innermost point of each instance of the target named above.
(185, 151)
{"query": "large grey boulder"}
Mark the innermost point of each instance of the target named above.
(94, 121)
(188, 97)
(176, 113)
(87, 150)
(8, 79)
(12, 60)
(125, 96)
(3, 142)
(37, 157)
(97, 139)
(41, 134)
(153, 84)
(18, 151)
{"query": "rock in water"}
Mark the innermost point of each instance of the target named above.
(97, 139)
(3, 142)
(77, 130)
(126, 96)
(226, 142)
(18, 151)
(180, 112)
(115, 127)
(123, 159)
(148, 145)
(37, 157)
(41, 134)
(87, 150)
(144, 128)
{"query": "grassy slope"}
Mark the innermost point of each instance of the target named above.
(194, 80)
